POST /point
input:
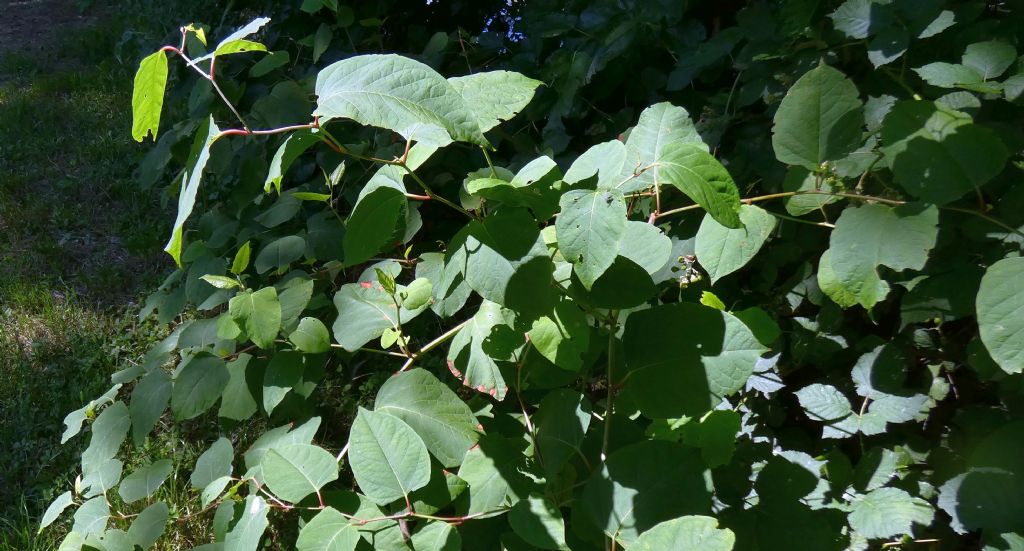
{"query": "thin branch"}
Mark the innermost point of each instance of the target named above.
(209, 77)
(431, 193)
(433, 344)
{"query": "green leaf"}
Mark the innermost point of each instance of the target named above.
(643, 484)
(800, 179)
(241, 260)
(149, 400)
(321, 41)
(990, 59)
(108, 432)
(562, 336)
(311, 336)
(495, 96)
(713, 360)
(660, 125)
(99, 480)
(54, 510)
(820, 119)
(561, 423)
(247, 532)
(857, 18)
(702, 178)
(73, 421)
(91, 517)
(445, 423)
(539, 522)
(236, 401)
(290, 149)
(689, 533)
(221, 282)
(278, 437)
(328, 531)
(715, 435)
(296, 471)
(491, 474)
(280, 252)
(722, 251)
(470, 356)
(149, 525)
(364, 312)
(948, 75)
(145, 480)
(190, 181)
(270, 62)
(214, 463)
(862, 241)
(399, 94)
(437, 536)
(283, 372)
(148, 95)
(235, 42)
(999, 305)
(259, 314)
(605, 160)
(825, 404)
(645, 245)
(387, 457)
(376, 222)
(589, 228)
(888, 512)
(937, 154)
(198, 385)
(417, 294)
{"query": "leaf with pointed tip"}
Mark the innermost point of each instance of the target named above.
(659, 125)
(54, 510)
(248, 531)
(259, 314)
(235, 42)
(190, 181)
(469, 358)
(437, 536)
(562, 336)
(236, 401)
(605, 160)
(589, 229)
(198, 386)
(296, 471)
(145, 480)
(91, 517)
(702, 178)
(280, 252)
(387, 457)
(444, 422)
(148, 95)
(364, 312)
(283, 372)
(108, 432)
(495, 96)
(311, 336)
(722, 251)
(820, 119)
(999, 303)
(149, 525)
(328, 531)
(214, 463)
(397, 93)
(689, 533)
(149, 400)
(888, 512)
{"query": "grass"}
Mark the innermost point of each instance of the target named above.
(79, 243)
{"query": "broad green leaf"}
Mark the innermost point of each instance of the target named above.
(491, 474)
(495, 96)
(376, 223)
(259, 314)
(236, 401)
(364, 312)
(280, 252)
(190, 181)
(149, 525)
(108, 432)
(91, 517)
(820, 119)
(990, 59)
(643, 484)
(73, 421)
(416, 295)
(936, 153)
(283, 372)
(450, 290)
(689, 533)
(437, 536)
(862, 241)
(311, 336)
(278, 437)
(294, 297)
(825, 404)
(888, 512)
(562, 336)
(800, 179)
(321, 41)
(722, 251)
(54, 510)
(241, 260)
(444, 422)
(379, 534)
(999, 305)
(149, 400)
(660, 124)
(328, 531)
(235, 42)
(387, 457)
(539, 522)
(214, 463)
(703, 179)
(857, 18)
(948, 75)
(605, 160)
(711, 357)
(198, 385)
(397, 93)
(248, 531)
(296, 471)
(589, 229)
(561, 422)
(471, 355)
(715, 435)
(273, 60)
(145, 480)
(148, 95)
(646, 245)
(221, 282)
(100, 480)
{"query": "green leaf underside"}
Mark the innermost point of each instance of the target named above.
(148, 95)
(190, 181)
(296, 471)
(999, 303)
(703, 179)
(723, 250)
(387, 457)
(589, 229)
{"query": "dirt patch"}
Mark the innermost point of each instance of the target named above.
(32, 26)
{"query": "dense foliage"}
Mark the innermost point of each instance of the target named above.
(643, 276)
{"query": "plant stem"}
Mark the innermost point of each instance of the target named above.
(433, 344)
(431, 193)
(609, 401)
(209, 77)
(494, 173)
